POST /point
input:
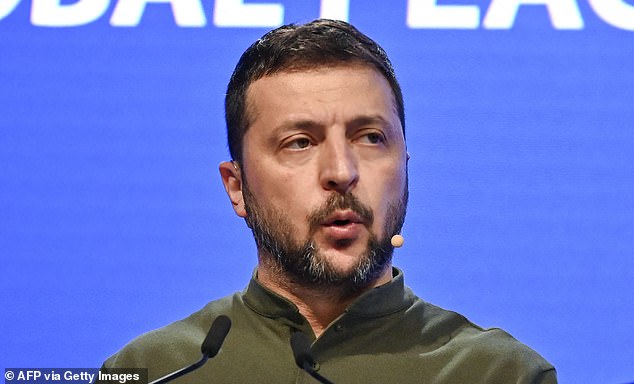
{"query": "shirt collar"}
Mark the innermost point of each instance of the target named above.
(380, 301)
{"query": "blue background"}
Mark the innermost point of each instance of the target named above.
(113, 219)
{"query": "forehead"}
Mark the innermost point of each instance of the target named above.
(341, 89)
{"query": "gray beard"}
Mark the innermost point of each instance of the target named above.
(302, 263)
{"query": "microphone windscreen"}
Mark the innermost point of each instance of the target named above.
(397, 241)
(216, 335)
(301, 349)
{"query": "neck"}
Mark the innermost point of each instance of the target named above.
(318, 304)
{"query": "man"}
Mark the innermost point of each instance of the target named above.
(315, 124)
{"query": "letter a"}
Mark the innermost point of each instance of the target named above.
(564, 14)
(187, 13)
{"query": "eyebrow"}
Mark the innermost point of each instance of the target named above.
(360, 121)
(356, 122)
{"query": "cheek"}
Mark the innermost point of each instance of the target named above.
(284, 191)
(388, 192)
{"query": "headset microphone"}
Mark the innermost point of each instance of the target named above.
(397, 241)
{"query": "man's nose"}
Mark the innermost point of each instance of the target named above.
(338, 166)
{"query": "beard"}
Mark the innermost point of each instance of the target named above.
(302, 263)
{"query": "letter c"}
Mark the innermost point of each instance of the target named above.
(615, 12)
(7, 6)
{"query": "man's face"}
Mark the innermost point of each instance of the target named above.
(324, 173)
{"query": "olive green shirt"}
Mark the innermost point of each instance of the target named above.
(388, 335)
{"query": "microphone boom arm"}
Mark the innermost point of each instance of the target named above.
(181, 372)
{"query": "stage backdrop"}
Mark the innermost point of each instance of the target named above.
(520, 126)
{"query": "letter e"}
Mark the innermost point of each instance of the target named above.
(428, 14)
(335, 9)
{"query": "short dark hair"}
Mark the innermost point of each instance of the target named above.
(319, 43)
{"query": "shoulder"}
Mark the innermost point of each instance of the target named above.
(173, 345)
(500, 355)
(493, 353)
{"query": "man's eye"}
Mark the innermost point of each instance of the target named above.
(373, 138)
(300, 143)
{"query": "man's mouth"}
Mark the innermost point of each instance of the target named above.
(343, 226)
(343, 218)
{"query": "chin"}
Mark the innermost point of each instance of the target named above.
(344, 262)
(344, 257)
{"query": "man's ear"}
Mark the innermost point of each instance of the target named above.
(232, 180)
